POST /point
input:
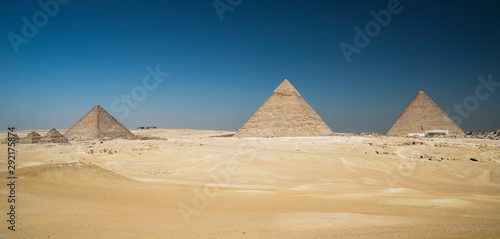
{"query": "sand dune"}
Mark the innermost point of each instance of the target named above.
(187, 184)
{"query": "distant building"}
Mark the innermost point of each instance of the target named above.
(146, 127)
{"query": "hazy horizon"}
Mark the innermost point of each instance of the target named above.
(223, 65)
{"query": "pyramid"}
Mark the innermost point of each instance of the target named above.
(6, 140)
(31, 138)
(422, 116)
(53, 136)
(284, 114)
(97, 124)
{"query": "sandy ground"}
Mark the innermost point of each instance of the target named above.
(188, 184)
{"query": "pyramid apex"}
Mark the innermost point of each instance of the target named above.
(421, 94)
(286, 88)
(98, 109)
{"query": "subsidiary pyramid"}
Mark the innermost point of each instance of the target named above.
(284, 114)
(97, 124)
(31, 138)
(17, 139)
(53, 136)
(423, 116)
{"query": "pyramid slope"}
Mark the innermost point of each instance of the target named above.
(96, 124)
(284, 114)
(421, 115)
(53, 136)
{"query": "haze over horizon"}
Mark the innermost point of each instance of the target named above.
(189, 64)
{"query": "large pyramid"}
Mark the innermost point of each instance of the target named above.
(97, 124)
(53, 136)
(284, 114)
(422, 116)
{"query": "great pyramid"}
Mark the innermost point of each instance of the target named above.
(97, 124)
(284, 114)
(53, 136)
(32, 138)
(422, 116)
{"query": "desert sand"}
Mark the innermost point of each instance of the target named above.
(189, 184)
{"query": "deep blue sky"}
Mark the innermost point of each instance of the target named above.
(92, 52)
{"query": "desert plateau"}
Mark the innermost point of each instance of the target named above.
(182, 183)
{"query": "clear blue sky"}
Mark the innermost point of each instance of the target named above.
(220, 72)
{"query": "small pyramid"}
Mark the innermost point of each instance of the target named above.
(284, 114)
(31, 138)
(53, 136)
(16, 139)
(97, 124)
(423, 116)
